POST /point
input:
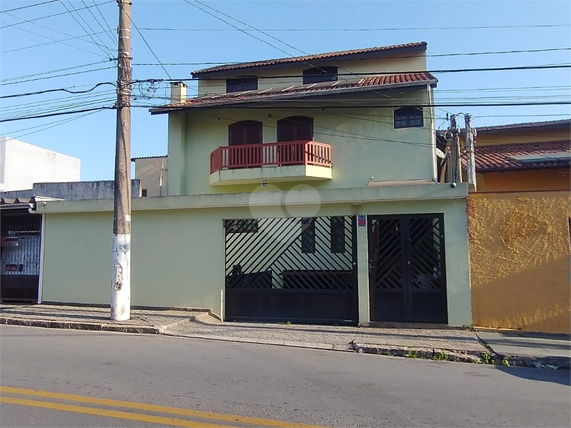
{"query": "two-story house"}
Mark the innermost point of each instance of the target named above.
(300, 189)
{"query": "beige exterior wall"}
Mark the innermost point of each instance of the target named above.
(292, 74)
(178, 242)
(364, 142)
(519, 256)
(153, 173)
(535, 179)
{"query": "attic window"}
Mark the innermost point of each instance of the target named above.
(408, 117)
(242, 84)
(319, 74)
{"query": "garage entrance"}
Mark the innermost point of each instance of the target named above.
(291, 269)
(407, 280)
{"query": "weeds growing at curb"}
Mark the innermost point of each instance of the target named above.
(411, 354)
(505, 362)
(440, 356)
(486, 358)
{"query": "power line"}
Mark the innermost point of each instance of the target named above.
(384, 57)
(52, 71)
(54, 77)
(99, 23)
(29, 6)
(101, 45)
(46, 91)
(13, 119)
(106, 23)
(51, 43)
(149, 46)
(317, 30)
(56, 40)
(49, 16)
(52, 125)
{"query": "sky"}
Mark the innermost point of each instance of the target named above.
(73, 50)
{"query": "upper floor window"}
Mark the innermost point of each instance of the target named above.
(295, 128)
(408, 117)
(245, 132)
(242, 84)
(320, 74)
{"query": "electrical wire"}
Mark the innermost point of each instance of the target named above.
(106, 23)
(53, 77)
(49, 43)
(29, 6)
(52, 125)
(99, 23)
(316, 30)
(47, 91)
(56, 114)
(51, 71)
(49, 16)
(101, 45)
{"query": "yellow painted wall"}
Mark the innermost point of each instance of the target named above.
(292, 74)
(364, 142)
(519, 258)
(178, 255)
(539, 179)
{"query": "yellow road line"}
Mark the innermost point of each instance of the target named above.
(154, 408)
(108, 413)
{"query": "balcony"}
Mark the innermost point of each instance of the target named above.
(271, 163)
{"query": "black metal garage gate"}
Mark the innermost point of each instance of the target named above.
(20, 257)
(291, 269)
(407, 281)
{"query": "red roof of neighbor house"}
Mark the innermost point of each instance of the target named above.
(500, 157)
(367, 84)
(305, 58)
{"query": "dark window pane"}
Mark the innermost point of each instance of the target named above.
(295, 128)
(241, 226)
(242, 84)
(319, 74)
(308, 235)
(408, 117)
(337, 234)
(144, 193)
(245, 132)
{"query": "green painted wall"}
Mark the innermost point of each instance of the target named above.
(364, 141)
(178, 254)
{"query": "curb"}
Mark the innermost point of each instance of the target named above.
(434, 354)
(73, 325)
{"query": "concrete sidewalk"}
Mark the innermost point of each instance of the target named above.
(438, 344)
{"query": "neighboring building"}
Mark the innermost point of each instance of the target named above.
(23, 164)
(152, 173)
(519, 227)
(299, 189)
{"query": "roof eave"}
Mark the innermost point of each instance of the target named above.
(294, 96)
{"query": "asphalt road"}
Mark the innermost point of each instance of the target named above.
(119, 380)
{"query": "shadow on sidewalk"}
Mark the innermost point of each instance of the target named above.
(562, 377)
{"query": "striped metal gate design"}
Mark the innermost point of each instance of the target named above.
(407, 280)
(291, 269)
(20, 257)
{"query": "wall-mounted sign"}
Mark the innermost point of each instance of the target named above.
(362, 220)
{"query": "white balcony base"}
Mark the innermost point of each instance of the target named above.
(270, 174)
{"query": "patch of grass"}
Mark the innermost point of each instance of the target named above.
(411, 354)
(505, 362)
(288, 323)
(440, 356)
(486, 358)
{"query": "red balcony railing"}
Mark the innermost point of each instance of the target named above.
(271, 154)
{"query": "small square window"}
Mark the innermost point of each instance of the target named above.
(408, 117)
(241, 226)
(144, 193)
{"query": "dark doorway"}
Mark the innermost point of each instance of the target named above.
(20, 257)
(246, 133)
(407, 280)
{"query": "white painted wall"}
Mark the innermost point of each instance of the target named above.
(23, 164)
(153, 175)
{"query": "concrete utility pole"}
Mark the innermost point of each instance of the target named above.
(471, 162)
(454, 168)
(121, 277)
